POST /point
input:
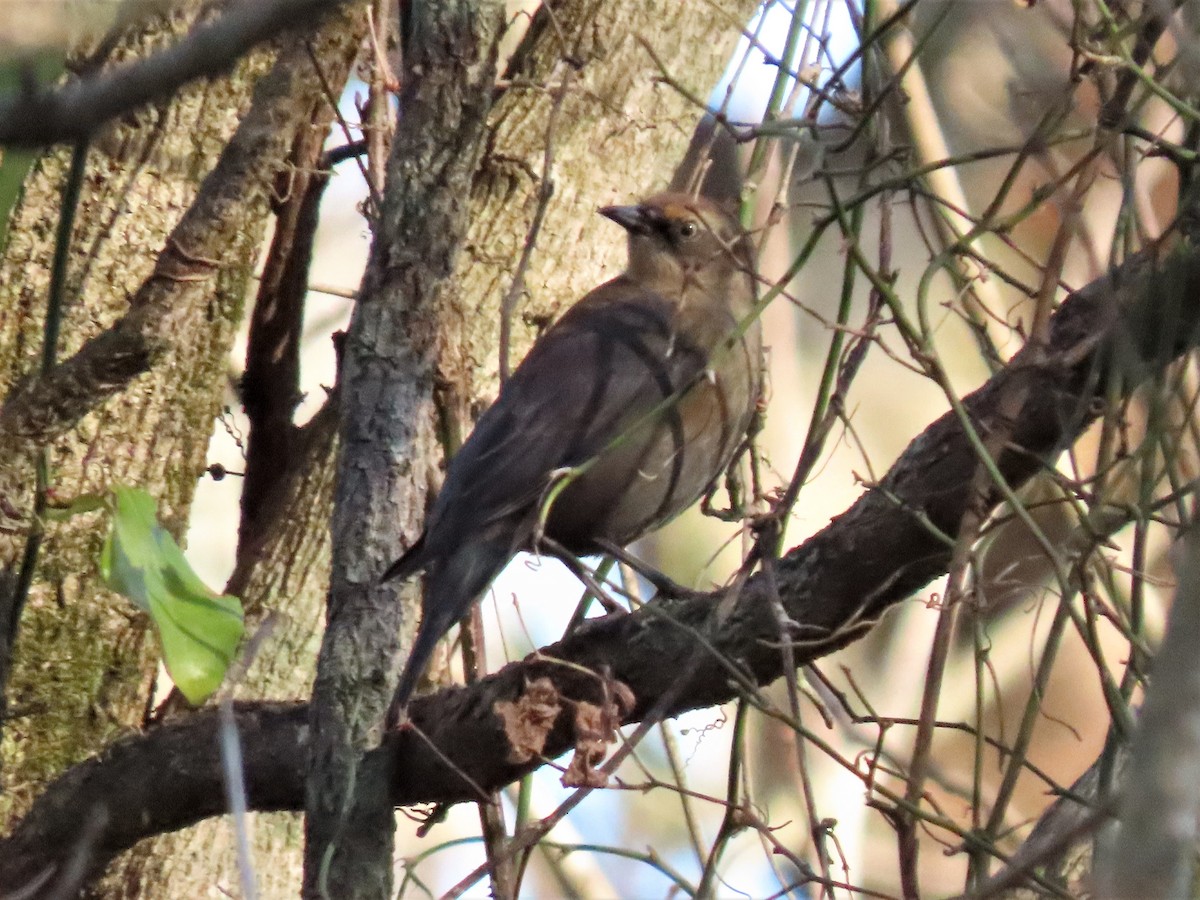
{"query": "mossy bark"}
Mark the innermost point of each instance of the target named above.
(84, 667)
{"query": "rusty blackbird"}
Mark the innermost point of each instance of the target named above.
(618, 419)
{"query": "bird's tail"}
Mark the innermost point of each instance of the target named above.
(452, 585)
(418, 658)
(412, 559)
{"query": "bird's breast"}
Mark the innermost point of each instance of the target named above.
(666, 449)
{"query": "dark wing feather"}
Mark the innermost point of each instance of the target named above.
(409, 564)
(608, 362)
(603, 365)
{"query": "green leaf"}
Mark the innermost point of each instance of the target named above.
(84, 503)
(199, 630)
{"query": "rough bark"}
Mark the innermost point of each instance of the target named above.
(84, 666)
(833, 586)
(450, 69)
(284, 571)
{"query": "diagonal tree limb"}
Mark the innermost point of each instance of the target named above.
(270, 384)
(75, 110)
(890, 543)
(834, 585)
(42, 408)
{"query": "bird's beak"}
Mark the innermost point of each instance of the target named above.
(632, 218)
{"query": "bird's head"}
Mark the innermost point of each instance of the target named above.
(676, 240)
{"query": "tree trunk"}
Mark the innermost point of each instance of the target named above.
(429, 317)
(84, 669)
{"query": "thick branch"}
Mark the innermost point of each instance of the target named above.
(75, 110)
(871, 557)
(270, 385)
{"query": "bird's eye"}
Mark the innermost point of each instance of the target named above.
(687, 229)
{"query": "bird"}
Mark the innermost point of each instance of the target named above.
(621, 415)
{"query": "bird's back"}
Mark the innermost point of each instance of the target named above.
(673, 400)
(645, 405)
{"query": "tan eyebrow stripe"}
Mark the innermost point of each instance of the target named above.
(676, 211)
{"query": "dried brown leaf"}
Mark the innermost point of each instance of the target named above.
(596, 728)
(528, 721)
(593, 733)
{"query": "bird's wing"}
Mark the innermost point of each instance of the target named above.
(609, 362)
